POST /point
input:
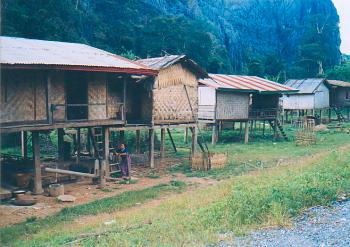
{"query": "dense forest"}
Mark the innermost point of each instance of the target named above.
(278, 39)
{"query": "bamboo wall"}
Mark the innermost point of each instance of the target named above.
(26, 94)
(231, 106)
(170, 103)
(23, 96)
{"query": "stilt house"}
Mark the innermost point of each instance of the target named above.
(339, 93)
(48, 85)
(175, 99)
(313, 94)
(239, 98)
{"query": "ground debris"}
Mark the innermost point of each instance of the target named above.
(66, 198)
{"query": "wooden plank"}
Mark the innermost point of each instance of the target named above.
(37, 163)
(162, 143)
(172, 140)
(62, 171)
(151, 148)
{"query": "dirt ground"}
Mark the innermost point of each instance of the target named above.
(84, 191)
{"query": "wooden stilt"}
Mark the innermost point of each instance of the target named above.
(264, 128)
(60, 145)
(162, 143)
(24, 146)
(37, 163)
(240, 128)
(106, 150)
(138, 141)
(214, 135)
(172, 140)
(186, 136)
(275, 130)
(246, 132)
(233, 126)
(78, 146)
(102, 173)
(151, 148)
(194, 140)
(329, 115)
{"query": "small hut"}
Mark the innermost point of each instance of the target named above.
(239, 98)
(340, 97)
(174, 94)
(313, 95)
(47, 85)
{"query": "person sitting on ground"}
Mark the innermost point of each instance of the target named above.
(123, 153)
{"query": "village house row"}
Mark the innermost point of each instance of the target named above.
(47, 85)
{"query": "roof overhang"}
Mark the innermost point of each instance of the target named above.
(148, 72)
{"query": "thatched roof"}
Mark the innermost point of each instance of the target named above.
(159, 63)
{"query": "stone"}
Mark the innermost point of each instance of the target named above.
(66, 198)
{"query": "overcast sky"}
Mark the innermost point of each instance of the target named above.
(343, 7)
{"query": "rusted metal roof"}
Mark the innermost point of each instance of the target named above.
(247, 83)
(42, 54)
(305, 86)
(337, 83)
(159, 63)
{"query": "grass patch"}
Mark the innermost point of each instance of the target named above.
(106, 205)
(153, 176)
(131, 181)
(264, 197)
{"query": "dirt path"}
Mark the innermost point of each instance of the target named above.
(85, 192)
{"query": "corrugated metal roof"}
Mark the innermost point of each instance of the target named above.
(305, 86)
(159, 63)
(250, 83)
(338, 83)
(31, 52)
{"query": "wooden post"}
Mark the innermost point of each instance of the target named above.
(102, 173)
(233, 126)
(264, 128)
(348, 112)
(246, 132)
(151, 148)
(106, 149)
(24, 139)
(186, 135)
(60, 145)
(138, 141)
(240, 128)
(214, 135)
(78, 146)
(162, 143)
(275, 130)
(37, 163)
(329, 115)
(194, 140)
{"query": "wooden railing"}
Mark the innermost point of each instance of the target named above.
(265, 113)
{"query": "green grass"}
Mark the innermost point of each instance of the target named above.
(261, 198)
(106, 205)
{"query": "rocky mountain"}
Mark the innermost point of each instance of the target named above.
(274, 38)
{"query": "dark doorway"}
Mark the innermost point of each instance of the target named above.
(76, 96)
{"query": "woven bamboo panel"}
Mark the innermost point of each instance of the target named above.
(40, 97)
(175, 75)
(97, 112)
(114, 99)
(97, 90)
(232, 105)
(171, 103)
(201, 161)
(19, 104)
(57, 92)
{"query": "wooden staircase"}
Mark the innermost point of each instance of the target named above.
(97, 138)
(279, 127)
(340, 116)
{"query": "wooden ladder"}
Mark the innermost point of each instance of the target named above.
(97, 136)
(278, 127)
(340, 116)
